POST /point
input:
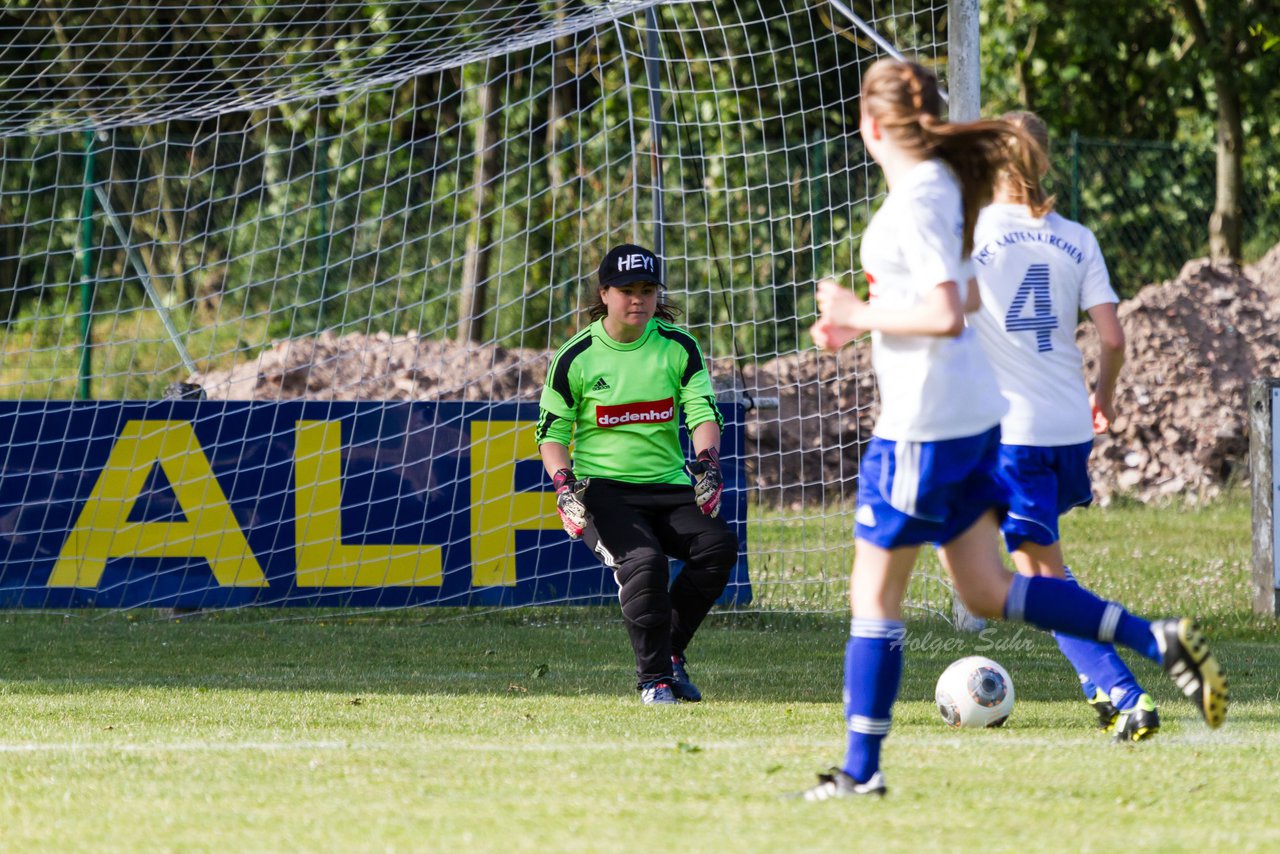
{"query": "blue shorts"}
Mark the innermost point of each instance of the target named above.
(911, 493)
(1043, 483)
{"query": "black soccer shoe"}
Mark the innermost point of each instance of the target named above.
(1185, 654)
(837, 784)
(1139, 723)
(681, 686)
(1107, 712)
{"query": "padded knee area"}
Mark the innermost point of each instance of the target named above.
(710, 560)
(642, 589)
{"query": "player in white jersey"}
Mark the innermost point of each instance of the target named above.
(1036, 271)
(929, 473)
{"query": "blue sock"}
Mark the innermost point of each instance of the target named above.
(1079, 654)
(1125, 693)
(1063, 606)
(1089, 689)
(872, 672)
(1100, 667)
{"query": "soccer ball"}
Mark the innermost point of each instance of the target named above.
(974, 692)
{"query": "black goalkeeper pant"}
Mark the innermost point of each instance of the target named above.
(633, 528)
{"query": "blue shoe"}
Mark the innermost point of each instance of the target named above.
(837, 784)
(658, 693)
(1139, 723)
(682, 687)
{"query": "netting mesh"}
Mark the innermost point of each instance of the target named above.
(82, 65)
(406, 203)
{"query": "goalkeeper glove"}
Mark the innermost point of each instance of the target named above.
(573, 513)
(708, 482)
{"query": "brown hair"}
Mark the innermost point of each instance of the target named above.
(904, 98)
(667, 310)
(1028, 164)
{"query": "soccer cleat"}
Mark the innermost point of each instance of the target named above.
(658, 694)
(681, 686)
(1139, 723)
(1107, 712)
(837, 784)
(1184, 652)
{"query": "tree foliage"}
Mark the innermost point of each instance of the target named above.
(1190, 72)
(350, 203)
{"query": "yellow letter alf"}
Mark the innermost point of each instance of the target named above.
(103, 530)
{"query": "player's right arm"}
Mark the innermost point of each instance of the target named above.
(939, 312)
(972, 297)
(562, 395)
(573, 513)
(554, 433)
(555, 456)
(939, 273)
(557, 415)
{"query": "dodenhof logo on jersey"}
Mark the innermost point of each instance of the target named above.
(645, 412)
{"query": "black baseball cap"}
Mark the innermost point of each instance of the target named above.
(628, 264)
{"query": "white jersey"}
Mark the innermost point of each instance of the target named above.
(931, 388)
(1035, 276)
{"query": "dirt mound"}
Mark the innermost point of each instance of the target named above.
(1195, 343)
(381, 367)
(807, 449)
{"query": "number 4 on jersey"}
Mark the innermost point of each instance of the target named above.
(1034, 284)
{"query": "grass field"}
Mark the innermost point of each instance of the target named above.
(517, 731)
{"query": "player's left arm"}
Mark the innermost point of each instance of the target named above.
(708, 479)
(706, 437)
(696, 395)
(705, 423)
(1110, 359)
(1099, 299)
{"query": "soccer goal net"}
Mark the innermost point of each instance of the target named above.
(279, 283)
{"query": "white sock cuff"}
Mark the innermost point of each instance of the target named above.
(869, 726)
(1110, 619)
(874, 627)
(1015, 605)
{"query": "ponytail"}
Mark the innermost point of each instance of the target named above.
(904, 98)
(1028, 163)
(976, 153)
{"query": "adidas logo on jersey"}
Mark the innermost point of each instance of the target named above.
(601, 385)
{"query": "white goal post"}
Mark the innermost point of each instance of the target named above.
(1264, 477)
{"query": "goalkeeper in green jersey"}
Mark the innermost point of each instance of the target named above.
(617, 389)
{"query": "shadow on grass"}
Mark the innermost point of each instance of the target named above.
(774, 657)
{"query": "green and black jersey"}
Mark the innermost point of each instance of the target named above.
(624, 400)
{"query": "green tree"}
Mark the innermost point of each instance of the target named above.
(1230, 54)
(1160, 70)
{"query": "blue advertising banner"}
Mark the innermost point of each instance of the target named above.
(219, 504)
